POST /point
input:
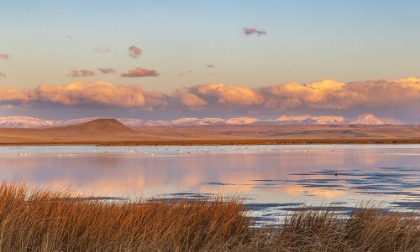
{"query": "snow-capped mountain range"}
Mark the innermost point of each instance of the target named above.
(367, 119)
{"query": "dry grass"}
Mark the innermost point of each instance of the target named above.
(47, 220)
(366, 228)
(113, 133)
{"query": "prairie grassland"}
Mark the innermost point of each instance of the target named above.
(34, 219)
(113, 133)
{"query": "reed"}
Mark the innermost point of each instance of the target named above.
(367, 228)
(47, 220)
(34, 219)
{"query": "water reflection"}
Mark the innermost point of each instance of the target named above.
(264, 174)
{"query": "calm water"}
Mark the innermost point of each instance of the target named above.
(268, 177)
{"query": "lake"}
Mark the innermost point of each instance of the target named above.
(271, 179)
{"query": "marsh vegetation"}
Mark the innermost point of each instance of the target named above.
(33, 219)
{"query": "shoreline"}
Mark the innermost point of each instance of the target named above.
(223, 142)
(110, 132)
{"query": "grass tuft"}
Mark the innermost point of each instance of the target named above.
(34, 219)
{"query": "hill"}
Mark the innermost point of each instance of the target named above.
(98, 130)
(113, 132)
(97, 127)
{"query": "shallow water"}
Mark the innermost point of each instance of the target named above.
(269, 178)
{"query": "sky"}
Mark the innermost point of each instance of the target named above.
(173, 59)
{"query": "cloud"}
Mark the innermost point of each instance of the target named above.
(102, 49)
(156, 100)
(10, 96)
(396, 98)
(134, 51)
(4, 56)
(81, 73)
(96, 93)
(189, 100)
(84, 93)
(2, 75)
(107, 70)
(210, 66)
(320, 94)
(332, 95)
(227, 95)
(140, 72)
(250, 31)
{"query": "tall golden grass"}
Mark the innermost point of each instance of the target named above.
(34, 219)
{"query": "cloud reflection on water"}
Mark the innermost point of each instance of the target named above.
(264, 173)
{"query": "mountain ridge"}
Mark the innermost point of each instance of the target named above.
(364, 119)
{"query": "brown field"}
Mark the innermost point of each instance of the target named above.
(34, 219)
(112, 132)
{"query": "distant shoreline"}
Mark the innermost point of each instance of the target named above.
(110, 132)
(226, 142)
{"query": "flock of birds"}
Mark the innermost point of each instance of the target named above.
(89, 150)
(65, 151)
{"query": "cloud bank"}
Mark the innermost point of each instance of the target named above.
(140, 72)
(134, 51)
(81, 73)
(250, 31)
(78, 93)
(400, 95)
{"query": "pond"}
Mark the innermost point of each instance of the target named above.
(270, 179)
